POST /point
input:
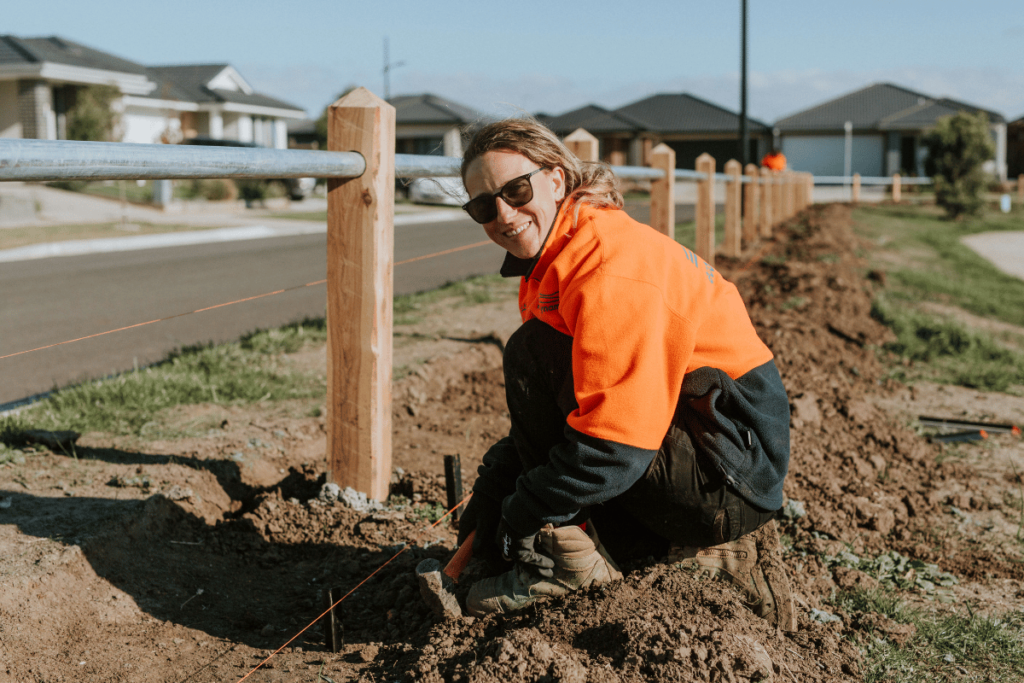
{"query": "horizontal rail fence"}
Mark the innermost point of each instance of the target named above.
(360, 166)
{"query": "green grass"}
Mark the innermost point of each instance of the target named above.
(924, 259)
(477, 290)
(921, 253)
(946, 647)
(247, 371)
(945, 351)
(686, 233)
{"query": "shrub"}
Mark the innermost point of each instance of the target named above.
(957, 149)
(92, 116)
(214, 189)
(252, 190)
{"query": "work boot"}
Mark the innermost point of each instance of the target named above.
(752, 563)
(580, 562)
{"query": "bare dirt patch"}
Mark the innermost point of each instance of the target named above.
(193, 557)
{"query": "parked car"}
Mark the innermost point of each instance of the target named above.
(438, 191)
(298, 188)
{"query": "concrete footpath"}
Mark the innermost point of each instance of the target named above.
(1004, 249)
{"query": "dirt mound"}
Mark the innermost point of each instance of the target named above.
(197, 559)
(660, 623)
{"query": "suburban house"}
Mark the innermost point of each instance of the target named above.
(429, 124)
(424, 124)
(875, 131)
(687, 124)
(40, 76)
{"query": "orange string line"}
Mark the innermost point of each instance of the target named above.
(170, 317)
(229, 303)
(336, 603)
(442, 253)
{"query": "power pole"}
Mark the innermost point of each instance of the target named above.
(744, 132)
(388, 66)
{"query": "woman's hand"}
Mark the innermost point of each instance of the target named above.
(515, 547)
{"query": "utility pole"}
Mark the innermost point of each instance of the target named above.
(388, 66)
(744, 132)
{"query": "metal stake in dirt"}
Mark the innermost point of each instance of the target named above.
(453, 484)
(333, 630)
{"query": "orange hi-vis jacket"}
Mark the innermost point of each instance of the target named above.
(652, 324)
(774, 162)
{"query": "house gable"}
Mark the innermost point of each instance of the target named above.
(229, 79)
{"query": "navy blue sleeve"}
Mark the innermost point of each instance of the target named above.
(496, 477)
(583, 471)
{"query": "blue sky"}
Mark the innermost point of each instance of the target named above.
(530, 55)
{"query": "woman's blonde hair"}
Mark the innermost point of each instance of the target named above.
(585, 181)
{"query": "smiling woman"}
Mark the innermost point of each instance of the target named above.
(639, 393)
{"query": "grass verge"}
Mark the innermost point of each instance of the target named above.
(925, 262)
(410, 308)
(944, 647)
(248, 371)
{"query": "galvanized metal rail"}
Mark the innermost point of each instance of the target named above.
(71, 160)
(46, 160)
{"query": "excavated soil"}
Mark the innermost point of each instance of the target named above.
(193, 559)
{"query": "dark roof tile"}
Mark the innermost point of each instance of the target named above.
(427, 108)
(684, 113)
(591, 118)
(877, 107)
(62, 51)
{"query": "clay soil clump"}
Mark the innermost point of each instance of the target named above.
(194, 559)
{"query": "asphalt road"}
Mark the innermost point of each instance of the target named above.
(48, 301)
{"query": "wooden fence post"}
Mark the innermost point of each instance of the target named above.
(778, 205)
(801, 191)
(767, 203)
(1020, 188)
(663, 198)
(582, 144)
(706, 209)
(788, 194)
(856, 188)
(733, 200)
(360, 269)
(897, 187)
(810, 189)
(750, 201)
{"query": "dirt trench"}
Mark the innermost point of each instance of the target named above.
(195, 560)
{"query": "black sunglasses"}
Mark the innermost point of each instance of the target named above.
(516, 192)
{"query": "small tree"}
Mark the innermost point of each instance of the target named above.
(93, 117)
(957, 149)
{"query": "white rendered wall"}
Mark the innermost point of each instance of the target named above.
(147, 126)
(280, 134)
(826, 154)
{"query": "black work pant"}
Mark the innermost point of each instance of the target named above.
(682, 498)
